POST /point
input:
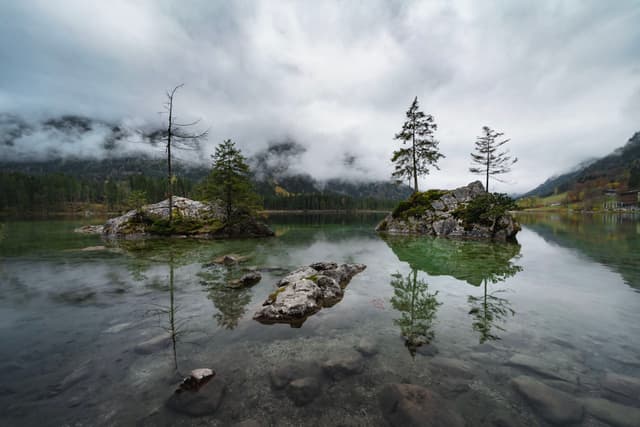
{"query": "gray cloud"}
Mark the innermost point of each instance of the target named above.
(559, 78)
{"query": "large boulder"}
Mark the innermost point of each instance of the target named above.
(438, 213)
(305, 291)
(190, 218)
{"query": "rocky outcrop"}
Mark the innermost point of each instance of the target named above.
(305, 291)
(190, 218)
(440, 213)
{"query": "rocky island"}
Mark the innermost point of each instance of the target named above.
(304, 291)
(467, 212)
(191, 218)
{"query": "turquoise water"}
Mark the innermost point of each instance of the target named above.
(77, 314)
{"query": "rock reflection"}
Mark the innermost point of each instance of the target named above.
(417, 307)
(479, 264)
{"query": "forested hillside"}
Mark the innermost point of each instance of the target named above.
(619, 170)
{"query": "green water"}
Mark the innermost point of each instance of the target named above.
(74, 309)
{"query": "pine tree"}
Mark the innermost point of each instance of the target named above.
(489, 160)
(230, 180)
(422, 152)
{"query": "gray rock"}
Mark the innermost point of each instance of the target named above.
(453, 367)
(229, 259)
(438, 221)
(90, 229)
(428, 350)
(367, 347)
(205, 401)
(281, 377)
(210, 217)
(303, 390)
(247, 280)
(343, 364)
(305, 291)
(553, 405)
(409, 405)
(152, 345)
(197, 379)
(540, 367)
(622, 386)
(612, 413)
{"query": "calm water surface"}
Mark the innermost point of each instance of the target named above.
(83, 323)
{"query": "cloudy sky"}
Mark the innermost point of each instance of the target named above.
(560, 78)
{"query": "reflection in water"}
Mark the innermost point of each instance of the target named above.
(610, 239)
(469, 261)
(417, 307)
(231, 303)
(476, 263)
(487, 310)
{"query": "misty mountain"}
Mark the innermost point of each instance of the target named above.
(622, 166)
(98, 150)
(277, 174)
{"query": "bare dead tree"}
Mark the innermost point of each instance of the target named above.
(177, 136)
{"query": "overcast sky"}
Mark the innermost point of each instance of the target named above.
(560, 78)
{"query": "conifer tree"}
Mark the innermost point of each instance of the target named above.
(487, 159)
(230, 181)
(422, 151)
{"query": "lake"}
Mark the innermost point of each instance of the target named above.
(96, 333)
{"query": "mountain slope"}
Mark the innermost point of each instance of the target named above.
(620, 169)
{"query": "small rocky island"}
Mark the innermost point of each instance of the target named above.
(305, 291)
(191, 218)
(466, 212)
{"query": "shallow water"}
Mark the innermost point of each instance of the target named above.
(454, 317)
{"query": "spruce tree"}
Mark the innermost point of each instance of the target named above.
(422, 151)
(230, 181)
(487, 159)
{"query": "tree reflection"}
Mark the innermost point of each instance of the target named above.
(479, 264)
(487, 310)
(230, 303)
(418, 308)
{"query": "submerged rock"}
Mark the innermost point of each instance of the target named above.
(246, 280)
(90, 229)
(408, 405)
(612, 413)
(367, 346)
(539, 367)
(622, 386)
(190, 218)
(305, 291)
(304, 390)
(343, 364)
(452, 367)
(438, 213)
(553, 405)
(230, 259)
(152, 344)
